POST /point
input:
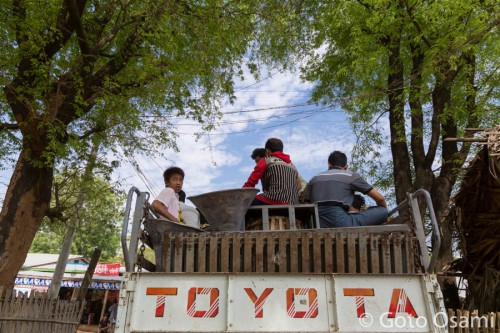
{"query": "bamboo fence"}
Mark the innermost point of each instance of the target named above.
(37, 313)
(463, 321)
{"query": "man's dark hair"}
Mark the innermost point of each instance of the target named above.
(258, 152)
(337, 159)
(274, 145)
(358, 201)
(172, 171)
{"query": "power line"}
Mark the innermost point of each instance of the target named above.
(258, 81)
(262, 128)
(142, 176)
(242, 111)
(252, 120)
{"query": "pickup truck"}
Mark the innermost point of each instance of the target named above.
(299, 278)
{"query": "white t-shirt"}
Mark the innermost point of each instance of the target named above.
(170, 199)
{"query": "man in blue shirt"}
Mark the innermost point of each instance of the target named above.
(333, 190)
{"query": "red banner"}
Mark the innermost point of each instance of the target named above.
(107, 269)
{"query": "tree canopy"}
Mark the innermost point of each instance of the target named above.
(411, 74)
(96, 220)
(73, 70)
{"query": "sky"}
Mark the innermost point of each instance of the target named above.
(275, 106)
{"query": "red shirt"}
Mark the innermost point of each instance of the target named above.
(258, 174)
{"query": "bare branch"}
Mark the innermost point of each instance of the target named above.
(466, 140)
(5, 126)
(20, 14)
(97, 129)
(75, 14)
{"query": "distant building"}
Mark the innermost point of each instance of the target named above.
(38, 269)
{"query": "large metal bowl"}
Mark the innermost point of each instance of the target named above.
(225, 210)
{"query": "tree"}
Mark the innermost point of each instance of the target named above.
(106, 237)
(73, 69)
(96, 220)
(50, 236)
(67, 242)
(431, 68)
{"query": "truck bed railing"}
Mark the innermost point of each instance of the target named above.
(130, 250)
(412, 205)
(394, 248)
(371, 250)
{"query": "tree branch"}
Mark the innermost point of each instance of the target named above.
(61, 36)
(417, 115)
(55, 212)
(409, 11)
(441, 97)
(470, 103)
(18, 91)
(5, 126)
(113, 33)
(75, 14)
(20, 13)
(96, 129)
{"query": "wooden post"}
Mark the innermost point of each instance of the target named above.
(74, 294)
(104, 302)
(88, 274)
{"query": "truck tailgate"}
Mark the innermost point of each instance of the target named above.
(219, 302)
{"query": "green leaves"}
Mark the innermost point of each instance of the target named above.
(356, 38)
(99, 68)
(96, 219)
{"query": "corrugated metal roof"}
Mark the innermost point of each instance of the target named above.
(68, 276)
(42, 259)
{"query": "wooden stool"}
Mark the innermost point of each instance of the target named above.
(276, 222)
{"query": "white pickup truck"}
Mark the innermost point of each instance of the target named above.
(365, 279)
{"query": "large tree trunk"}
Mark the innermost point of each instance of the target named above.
(399, 146)
(422, 165)
(26, 203)
(443, 184)
(440, 194)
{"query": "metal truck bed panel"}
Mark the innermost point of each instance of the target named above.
(384, 249)
(217, 302)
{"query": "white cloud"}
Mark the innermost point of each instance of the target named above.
(221, 160)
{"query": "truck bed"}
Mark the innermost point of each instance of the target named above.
(366, 250)
(301, 279)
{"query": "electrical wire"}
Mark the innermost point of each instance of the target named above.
(141, 175)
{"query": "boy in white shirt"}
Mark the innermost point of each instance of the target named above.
(167, 204)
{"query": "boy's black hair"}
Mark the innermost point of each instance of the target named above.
(172, 171)
(274, 145)
(258, 152)
(337, 159)
(358, 201)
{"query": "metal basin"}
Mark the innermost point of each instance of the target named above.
(225, 210)
(156, 229)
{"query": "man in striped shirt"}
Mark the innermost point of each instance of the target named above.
(280, 179)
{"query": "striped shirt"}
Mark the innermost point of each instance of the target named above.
(280, 181)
